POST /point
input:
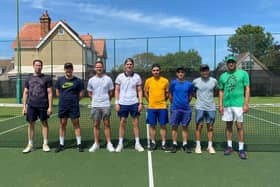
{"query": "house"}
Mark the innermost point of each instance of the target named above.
(6, 65)
(56, 43)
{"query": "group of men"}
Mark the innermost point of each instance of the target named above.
(233, 102)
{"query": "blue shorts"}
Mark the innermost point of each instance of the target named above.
(34, 112)
(157, 115)
(205, 116)
(69, 111)
(180, 117)
(125, 110)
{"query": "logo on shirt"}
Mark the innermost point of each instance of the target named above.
(67, 85)
(231, 83)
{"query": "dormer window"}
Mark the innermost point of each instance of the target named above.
(60, 31)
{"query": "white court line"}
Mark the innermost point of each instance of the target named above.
(150, 162)
(9, 118)
(10, 130)
(266, 111)
(277, 124)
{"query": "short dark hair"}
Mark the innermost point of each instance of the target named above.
(180, 69)
(37, 60)
(99, 62)
(129, 60)
(68, 65)
(155, 65)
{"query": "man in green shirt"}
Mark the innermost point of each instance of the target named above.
(232, 103)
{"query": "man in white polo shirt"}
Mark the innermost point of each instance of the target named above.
(129, 100)
(100, 90)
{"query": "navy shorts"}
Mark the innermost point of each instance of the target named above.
(180, 117)
(157, 115)
(205, 116)
(69, 111)
(34, 112)
(125, 110)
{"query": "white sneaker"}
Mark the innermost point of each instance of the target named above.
(119, 148)
(198, 150)
(28, 148)
(110, 147)
(94, 147)
(46, 148)
(211, 150)
(139, 147)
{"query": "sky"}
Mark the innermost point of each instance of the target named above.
(110, 19)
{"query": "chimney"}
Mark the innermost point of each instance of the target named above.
(45, 22)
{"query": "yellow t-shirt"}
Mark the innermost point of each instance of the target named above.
(157, 89)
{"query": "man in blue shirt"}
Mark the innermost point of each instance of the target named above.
(180, 95)
(69, 89)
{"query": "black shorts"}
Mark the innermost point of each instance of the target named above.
(34, 112)
(69, 111)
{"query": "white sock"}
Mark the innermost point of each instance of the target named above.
(229, 143)
(240, 146)
(197, 143)
(185, 143)
(153, 141)
(120, 140)
(175, 142)
(61, 140)
(45, 141)
(163, 143)
(30, 142)
(137, 140)
(79, 140)
(210, 143)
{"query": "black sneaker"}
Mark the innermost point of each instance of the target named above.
(80, 148)
(153, 146)
(164, 147)
(59, 148)
(186, 148)
(172, 149)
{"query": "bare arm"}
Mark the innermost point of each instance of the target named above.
(57, 92)
(111, 94)
(81, 94)
(50, 99)
(221, 97)
(140, 97)
(117, 97)
(24, 98)
(247, 97)
(90, 94)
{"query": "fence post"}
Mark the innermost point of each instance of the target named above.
(18, 81)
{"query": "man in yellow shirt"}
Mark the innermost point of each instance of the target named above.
(156, 93)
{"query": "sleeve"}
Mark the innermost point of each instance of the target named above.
(171, 88)
(167, 86)
(118, 80)
(221, 84)
(146, 86)
(194, 82)
(57, 84)
(111, 85)
(26, 84)
(139, 80)
(246, 79)
(191, 90)
(82, 87)
(49, 82)
(89, 86)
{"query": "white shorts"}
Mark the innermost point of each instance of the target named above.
(233, 114)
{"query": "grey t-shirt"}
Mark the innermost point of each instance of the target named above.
(205, 93)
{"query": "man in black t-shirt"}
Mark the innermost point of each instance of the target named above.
(37, 102)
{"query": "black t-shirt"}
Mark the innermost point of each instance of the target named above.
(38, 90)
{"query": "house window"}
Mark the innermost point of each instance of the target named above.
(60, 31)
(247, 65)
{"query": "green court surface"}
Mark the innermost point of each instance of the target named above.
(130, 168)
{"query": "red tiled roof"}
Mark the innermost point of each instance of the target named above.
(86, 39)
(99, 45)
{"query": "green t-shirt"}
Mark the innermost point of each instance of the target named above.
(233, 84)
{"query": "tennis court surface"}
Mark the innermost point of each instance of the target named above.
(130, 168)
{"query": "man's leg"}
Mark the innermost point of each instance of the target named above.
(45, 132)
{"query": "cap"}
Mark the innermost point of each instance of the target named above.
(68, 65)
(180, 69)
(231, 58)
(204, 67)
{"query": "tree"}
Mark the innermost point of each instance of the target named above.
(251, 39)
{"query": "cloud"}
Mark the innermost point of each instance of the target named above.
(163, 21)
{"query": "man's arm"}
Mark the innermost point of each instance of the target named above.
(50, 100)
(221, 97)
(117, 97)
(24, 99)
(140, 97)
(247, 97)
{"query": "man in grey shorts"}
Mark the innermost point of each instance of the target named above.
(100, 90)
(205, 108)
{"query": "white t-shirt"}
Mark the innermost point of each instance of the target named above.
(128, 88)
(100, 87)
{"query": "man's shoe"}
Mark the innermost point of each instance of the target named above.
(139, 147)
(186, 148)
(80, 148)
(211, 150)
(94, 147)
(28, 148)
(198, 150)
(153, 146)
(164, 147)
(46, 148)
(172, 149)
(59, 148)
(228, 151)
(119, 148)
(110, 147)
(242, 155)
